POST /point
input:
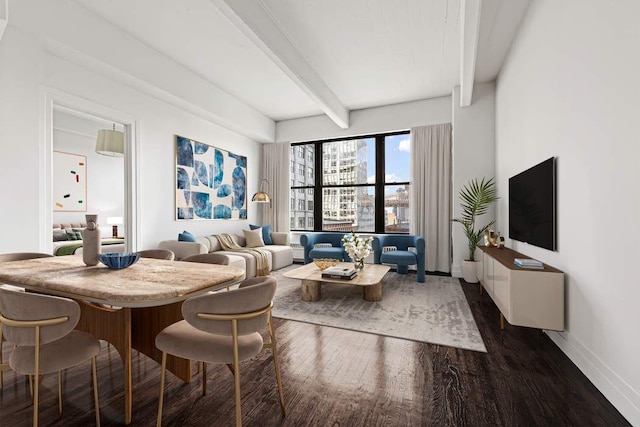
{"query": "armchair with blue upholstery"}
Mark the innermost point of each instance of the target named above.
(400, 255)
(335, 251)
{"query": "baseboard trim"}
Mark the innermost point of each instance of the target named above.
(456, 271)
(615, 389)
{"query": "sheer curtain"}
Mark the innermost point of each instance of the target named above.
(431, 192)
(275, 168)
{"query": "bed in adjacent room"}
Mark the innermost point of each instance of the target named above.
(67, 240)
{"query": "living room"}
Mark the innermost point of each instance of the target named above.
(565, 89)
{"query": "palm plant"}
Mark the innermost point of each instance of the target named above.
(475, 199)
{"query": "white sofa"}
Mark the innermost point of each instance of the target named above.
(280, 253)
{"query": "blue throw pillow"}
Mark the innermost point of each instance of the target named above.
(185, 236)
(266, 233)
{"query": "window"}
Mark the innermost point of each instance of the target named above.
(363, 183)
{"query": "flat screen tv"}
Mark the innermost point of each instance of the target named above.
(532, 205)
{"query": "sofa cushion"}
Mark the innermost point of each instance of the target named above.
(185, 236)
(266, 233)
(281, 255)
(253, 238)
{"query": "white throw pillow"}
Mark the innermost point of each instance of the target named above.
(253, 238)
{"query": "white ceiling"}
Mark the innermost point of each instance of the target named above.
(366, 53)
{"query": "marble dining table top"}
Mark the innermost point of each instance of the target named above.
(148, 282)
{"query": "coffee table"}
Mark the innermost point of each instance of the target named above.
(370, 278)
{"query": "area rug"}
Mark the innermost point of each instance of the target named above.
(434, 312)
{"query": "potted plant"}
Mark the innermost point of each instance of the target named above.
(475, 199)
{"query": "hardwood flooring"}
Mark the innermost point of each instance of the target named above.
(335, 377)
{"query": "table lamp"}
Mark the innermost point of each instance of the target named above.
(114, 221)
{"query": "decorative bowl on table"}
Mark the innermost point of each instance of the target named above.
(119, 260)
(324, 263)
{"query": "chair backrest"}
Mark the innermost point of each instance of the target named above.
(401, 241)
(158, 254)
(253, 294)
(211, 258)
(24, 306)
(19, 256)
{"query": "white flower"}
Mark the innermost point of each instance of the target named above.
(356, 247)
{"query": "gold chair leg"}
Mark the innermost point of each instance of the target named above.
(236, 374)
(94, 371)
(277, 366)
(60, 392)
(36, 375)
(161, 399)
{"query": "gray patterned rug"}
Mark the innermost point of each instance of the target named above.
(434, 312)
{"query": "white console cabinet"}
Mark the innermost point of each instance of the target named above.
(525, 297)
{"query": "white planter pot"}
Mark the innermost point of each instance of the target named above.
(469, 271)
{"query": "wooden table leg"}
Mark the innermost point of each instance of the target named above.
(114, 326)
(311, 290)
(372, 293)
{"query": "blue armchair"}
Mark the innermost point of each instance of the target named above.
(401, 256)
(336, 251)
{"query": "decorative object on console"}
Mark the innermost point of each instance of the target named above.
(357, 248)
(110, 142)
(491, 238)
(69, 182)
(114, 221)
(211, 183)
(475, 199)
(91, 241)
(261, 196)
(118, 261)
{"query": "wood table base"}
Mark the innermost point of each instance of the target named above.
(128, 328)
(372, 293)
(311, 290)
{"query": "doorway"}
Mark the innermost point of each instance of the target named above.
(71, 127)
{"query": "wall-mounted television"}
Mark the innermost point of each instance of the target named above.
(532, 205)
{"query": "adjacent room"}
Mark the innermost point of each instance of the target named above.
(285, 213)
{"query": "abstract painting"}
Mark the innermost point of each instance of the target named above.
(211, 183)
(69, 182)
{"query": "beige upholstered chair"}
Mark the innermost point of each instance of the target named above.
(158, 254)
(41, 327)
(211, 258)
(16, 256)
(223, 327)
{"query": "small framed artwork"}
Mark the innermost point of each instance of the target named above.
(211, 183)
(69, 182)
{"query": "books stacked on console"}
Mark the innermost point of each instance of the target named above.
(343, 273)
(528, 263)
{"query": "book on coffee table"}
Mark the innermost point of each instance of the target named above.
(344, 273)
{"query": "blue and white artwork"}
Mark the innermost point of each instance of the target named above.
(211, 183)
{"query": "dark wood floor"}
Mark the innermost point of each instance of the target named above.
(335, 377)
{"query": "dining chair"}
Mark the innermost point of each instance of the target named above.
(223, 327)
(15, 256)
(165, 254)
(41, 327)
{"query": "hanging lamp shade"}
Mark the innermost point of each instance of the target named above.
(110, 142)
(261, 196)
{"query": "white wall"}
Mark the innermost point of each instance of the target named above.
(25, 69)
(367, 121)
(473, 157)
(569, 88)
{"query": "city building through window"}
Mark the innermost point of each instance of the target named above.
(364, 184)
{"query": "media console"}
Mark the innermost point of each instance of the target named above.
(525, 297)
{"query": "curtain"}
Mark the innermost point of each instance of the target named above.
(275, 168)
(431, 192)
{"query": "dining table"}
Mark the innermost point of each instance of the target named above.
(125, 307)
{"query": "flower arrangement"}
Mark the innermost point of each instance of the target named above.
(357, 248)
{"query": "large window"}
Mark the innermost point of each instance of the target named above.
(364, 184)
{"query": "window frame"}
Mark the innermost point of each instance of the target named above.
(379, 184)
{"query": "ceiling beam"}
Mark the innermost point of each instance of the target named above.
(254, 19)
(4, 16)
(470, 30)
